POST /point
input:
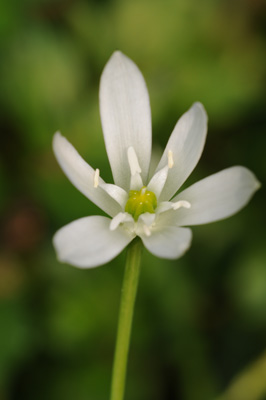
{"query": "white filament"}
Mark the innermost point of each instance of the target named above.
(170, 159)
(143, 191)
(181, 203)
(146, 230)
(116, 221)
(96, 178)
(119, 219)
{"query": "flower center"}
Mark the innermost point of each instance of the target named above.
(140, 202)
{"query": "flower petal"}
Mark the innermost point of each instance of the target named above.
(158, 180)
(185, 146)
(116, 192)
(82, 175)
(216, 197)
(88, 242)
(126, 117)
(168, 241)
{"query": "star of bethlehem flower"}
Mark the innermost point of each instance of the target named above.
(136, 204)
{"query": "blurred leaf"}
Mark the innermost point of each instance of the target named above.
(250, 384)
(15, 338)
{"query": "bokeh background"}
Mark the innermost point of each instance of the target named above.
(199, 321)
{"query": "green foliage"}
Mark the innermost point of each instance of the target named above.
(199, 320)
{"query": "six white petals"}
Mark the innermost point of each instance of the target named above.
(126, 122)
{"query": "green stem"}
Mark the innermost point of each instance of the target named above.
(128, 296)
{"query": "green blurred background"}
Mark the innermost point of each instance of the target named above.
(199, 320)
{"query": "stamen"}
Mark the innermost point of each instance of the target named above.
(170, 159)
(116, 221)
(96, 178)
(146, 230)
(143, 191)
(145, 224)
(181, 203)
(133, 161)
(119, 219)
(135, 182)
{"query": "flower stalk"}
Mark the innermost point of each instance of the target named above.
(128, 296)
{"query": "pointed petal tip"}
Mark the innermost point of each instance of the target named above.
(258, 184)
(199, 104)
(56, 138)
(249, 176)
(201, 107)
(117, 53)
(57, 134)
(116, 58)
(60, 145)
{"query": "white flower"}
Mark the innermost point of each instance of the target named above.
(136, 205)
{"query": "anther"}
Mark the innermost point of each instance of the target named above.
(133, 161)
(170, 159)
(96, 178)
(181, 203)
